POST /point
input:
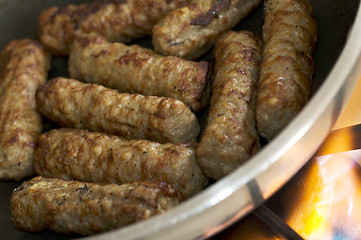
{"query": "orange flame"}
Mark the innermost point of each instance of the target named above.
(328, 206)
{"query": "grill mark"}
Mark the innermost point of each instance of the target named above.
(85, 41)
(133, 58)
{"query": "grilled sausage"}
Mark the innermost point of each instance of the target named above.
(86, 208)
(24, 66)
(230, 137)
(139, 70)
(98, 157)
(116, 20)
(90, 106)
(190, 31)
(290, 35)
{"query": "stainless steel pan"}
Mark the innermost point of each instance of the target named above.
(337, 70)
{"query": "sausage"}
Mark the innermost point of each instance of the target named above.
(90, 106)
(230, 136)
(290, 35)
(24, 66)
(139, 70)
(192, 30)
(97, 157)
(70, 207)
(116, 20)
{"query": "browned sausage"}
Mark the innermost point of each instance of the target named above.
(116, 20)
(139, 70)
(230, 137)
(90, 106)
(290, 35)
(24, 66)
(98, 157)
(190, 31)
(86, 208)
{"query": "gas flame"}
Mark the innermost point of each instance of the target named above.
(328, 206)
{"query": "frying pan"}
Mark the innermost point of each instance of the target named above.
(337, 70)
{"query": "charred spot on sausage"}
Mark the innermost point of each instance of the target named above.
(213, 12)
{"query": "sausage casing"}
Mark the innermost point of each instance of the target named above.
(116, 20)
(86, 208)
(90, 106)
(230, 136)
(97, 157)
(290, 35)
(24, 66)
(139, 70)
(191, 30)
